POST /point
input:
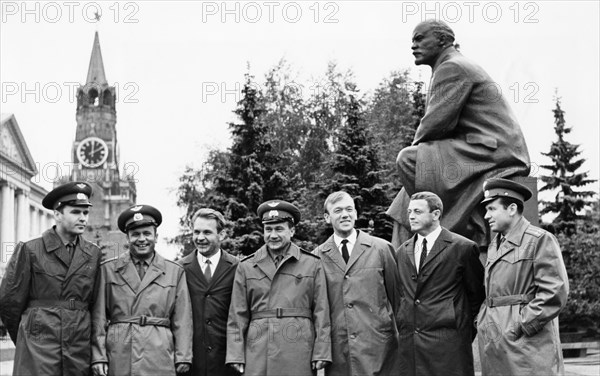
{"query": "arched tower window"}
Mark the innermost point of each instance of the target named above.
(107, 98)
(93, 96)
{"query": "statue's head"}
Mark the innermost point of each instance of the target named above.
(429, 39)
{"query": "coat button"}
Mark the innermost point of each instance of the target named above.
(413, 277)
(207, 295)
(417, 302)
(417, 331)
(350, 305)
(209, 349)
(208, 322)
(346, 276)
(353, 336)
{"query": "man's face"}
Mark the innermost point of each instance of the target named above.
(72, 220)
(206, 237)
(342, 216)
(142, 241)
(500, 218)
(426, 46)
(278, 235)
(422, 219)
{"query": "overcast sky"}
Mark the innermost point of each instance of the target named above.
(177, 65)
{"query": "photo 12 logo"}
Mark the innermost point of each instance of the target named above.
(269, 11)
(470, 11)
(69, 11)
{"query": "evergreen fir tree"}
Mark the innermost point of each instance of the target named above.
(564, 178)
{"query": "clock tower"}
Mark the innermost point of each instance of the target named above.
(95, 157)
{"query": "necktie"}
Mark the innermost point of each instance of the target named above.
(345, 254)
(423, 254)
(278, 259)
(70, 248)
(499, 240)
(140, 269)
(207, 272)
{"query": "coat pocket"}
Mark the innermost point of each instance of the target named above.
(477, 139)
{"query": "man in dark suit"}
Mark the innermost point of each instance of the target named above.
(362, 285)
(442, 287)
(209, 272)
(468, 134)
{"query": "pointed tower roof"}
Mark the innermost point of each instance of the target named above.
(96, 69)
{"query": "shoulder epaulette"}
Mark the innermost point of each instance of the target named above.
(309, 253)
(535, 231)
(247, 258)
(109, 260)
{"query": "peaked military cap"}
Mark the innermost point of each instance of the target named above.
(496, 188)
(137, 216)
(277, 211)
(76, 193)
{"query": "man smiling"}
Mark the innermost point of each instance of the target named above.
(143, 300)
(362, 285)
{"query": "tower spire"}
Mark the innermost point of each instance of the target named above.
(96, 69)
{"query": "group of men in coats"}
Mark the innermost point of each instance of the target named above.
(356, 305)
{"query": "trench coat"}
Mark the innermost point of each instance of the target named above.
(439, 305)
(362, 300)
(468, 134)
(45, 303)
(142, 327)
(297, 290)
(210, 307)
(526, 287)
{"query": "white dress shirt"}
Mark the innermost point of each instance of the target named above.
(431, 238)
(351, 241)
(214, 260)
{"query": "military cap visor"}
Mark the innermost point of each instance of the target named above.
(496, 188)
(73, 194)
(138, 216)
(278, 211)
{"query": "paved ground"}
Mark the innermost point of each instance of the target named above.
(588, 366)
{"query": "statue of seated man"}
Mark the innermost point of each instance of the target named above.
(467, 135)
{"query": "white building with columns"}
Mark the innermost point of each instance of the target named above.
(22, 215)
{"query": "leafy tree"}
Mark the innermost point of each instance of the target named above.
(564, 178)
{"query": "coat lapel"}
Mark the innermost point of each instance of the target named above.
(155, 270)
(127, 271)
(410, 251)
(81, 256)
(513, 240)
(225, 262)
(331, 251)
(55, 245)
(440, 244)
(362, 244)
(264, 263)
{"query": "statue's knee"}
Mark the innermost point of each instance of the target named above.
(405, 158)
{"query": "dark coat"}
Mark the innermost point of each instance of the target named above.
(50, 340)
(362, 298)
(210, 307)
(286, 345)
(529, 262)
(467, 135)
(131, 348)
(439, 306)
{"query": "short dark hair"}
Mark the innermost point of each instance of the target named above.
(208, 213)
(507, 201)
(335, 197)
(434, 202)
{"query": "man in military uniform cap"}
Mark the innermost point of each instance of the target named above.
(526, 287)
(279, 314)
(143, 314)
(47, 291)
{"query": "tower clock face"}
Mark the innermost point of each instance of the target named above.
(92, 152)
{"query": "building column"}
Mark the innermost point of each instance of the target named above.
(7, 225)
(23, 221)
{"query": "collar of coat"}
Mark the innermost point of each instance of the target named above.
(262, 253)
(225, 256)
(53, 242)
(445, 55)
(515, 235)
(158, 261)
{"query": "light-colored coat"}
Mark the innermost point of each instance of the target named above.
(362, 299)
(131, 348)
(439, 306)
(50, 340)
(286, 345)
(529, 262)
(468, 134)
